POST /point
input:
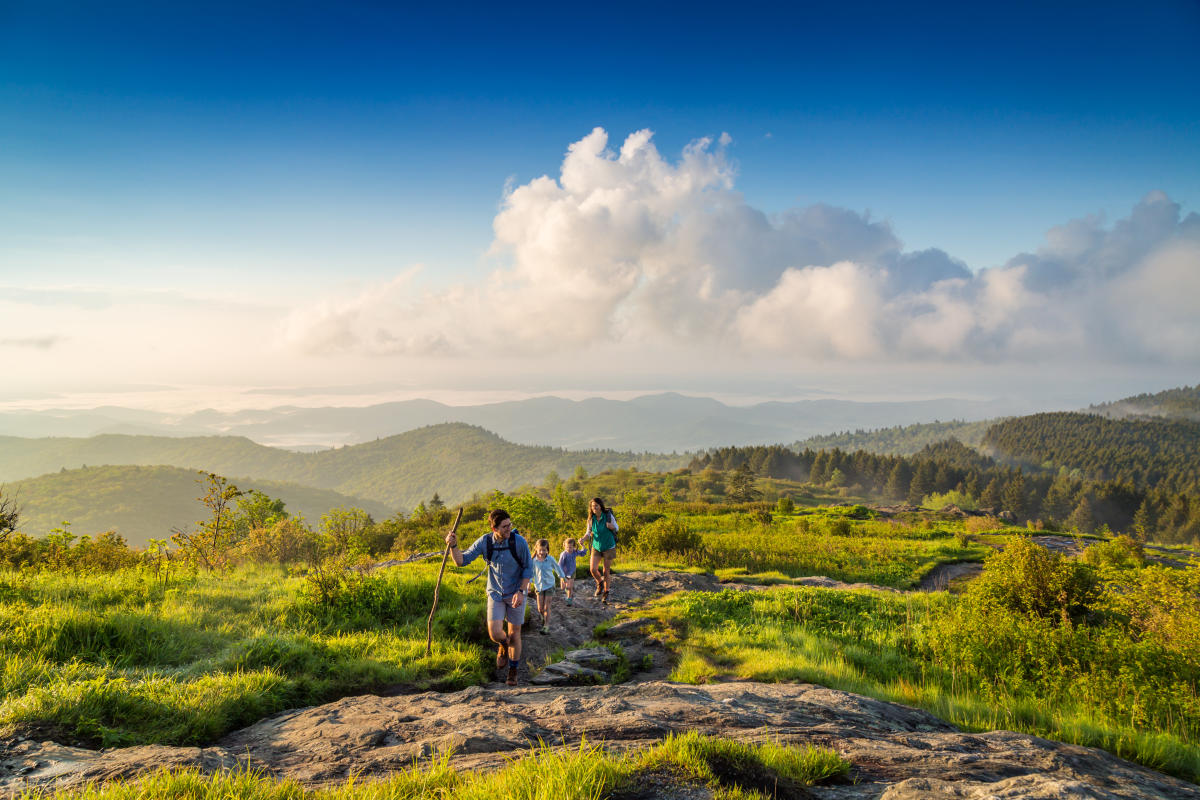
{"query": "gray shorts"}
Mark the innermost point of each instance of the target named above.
(502, 610)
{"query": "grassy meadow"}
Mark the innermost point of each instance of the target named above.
(1106, 657)
(832, 542)
(104, 645)
(130, 658)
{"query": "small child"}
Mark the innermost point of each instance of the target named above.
(566, 561)
(544, 570)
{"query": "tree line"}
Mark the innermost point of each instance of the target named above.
(952, 472)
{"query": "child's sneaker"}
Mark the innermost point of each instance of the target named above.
(545, 630)
(570, 601)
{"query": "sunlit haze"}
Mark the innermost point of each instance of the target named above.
(254, 204)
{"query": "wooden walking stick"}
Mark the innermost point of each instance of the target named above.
(437, 587)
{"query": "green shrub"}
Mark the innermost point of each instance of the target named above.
(1119, 553)
(671, 537)
(1029, 579)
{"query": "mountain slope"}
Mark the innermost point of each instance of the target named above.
(900, 440)
(143, 503)
(454, 460)
(1181, 404)
(1147, 453)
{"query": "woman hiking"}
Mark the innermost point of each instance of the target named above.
(601, 531)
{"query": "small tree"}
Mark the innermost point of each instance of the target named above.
(739, 485)
(345, 530)
(898, 482)
(837, 478)
(10, 514)
(993, 495)
(635, 503)
(1143, 522)
(1014, 498)
(257, 510)
(210, 544)
(569, 506)
(534, 516)
(1082, 519)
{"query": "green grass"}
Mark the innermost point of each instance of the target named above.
(730, 769)
(120, 659)
(878, 644)
(894, 553)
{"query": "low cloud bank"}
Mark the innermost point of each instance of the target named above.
(628, 247)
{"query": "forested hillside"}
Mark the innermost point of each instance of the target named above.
(900, 440)
(1162, 454)
(143, 503)
(1182, 403)
(951, 472)
(455, 460)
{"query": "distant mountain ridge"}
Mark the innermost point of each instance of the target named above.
(666, 422)
(455, 460)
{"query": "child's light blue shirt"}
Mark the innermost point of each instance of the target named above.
(544, 571)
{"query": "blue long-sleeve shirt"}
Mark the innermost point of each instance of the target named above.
(504, 572)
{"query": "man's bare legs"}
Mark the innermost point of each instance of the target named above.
(511, 638)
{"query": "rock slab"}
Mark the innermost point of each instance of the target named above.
(898, 753)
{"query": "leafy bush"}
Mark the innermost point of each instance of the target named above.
(1029, 579)
(1119, 553)
(671, 537)
(840, 526)
(983, 524)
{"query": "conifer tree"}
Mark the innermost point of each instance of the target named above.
(1014, 497)
(992, 496)
(922, 483)
(1143, 521)
(898, 481)
(1082, 519)
(1059, 498)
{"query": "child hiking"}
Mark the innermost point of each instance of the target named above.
(544, 570)
(566, 562)
(601, 531)
(510, 568)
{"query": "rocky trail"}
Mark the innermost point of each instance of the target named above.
(897, 752)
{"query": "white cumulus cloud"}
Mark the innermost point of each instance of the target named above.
(627, 247)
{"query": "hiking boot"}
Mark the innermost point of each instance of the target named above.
(502, 656)
(604, 598)
(512, 676)
(599, 589)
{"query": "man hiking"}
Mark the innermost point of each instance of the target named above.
(509, 571)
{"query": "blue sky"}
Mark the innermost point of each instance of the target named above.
(268, 158)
